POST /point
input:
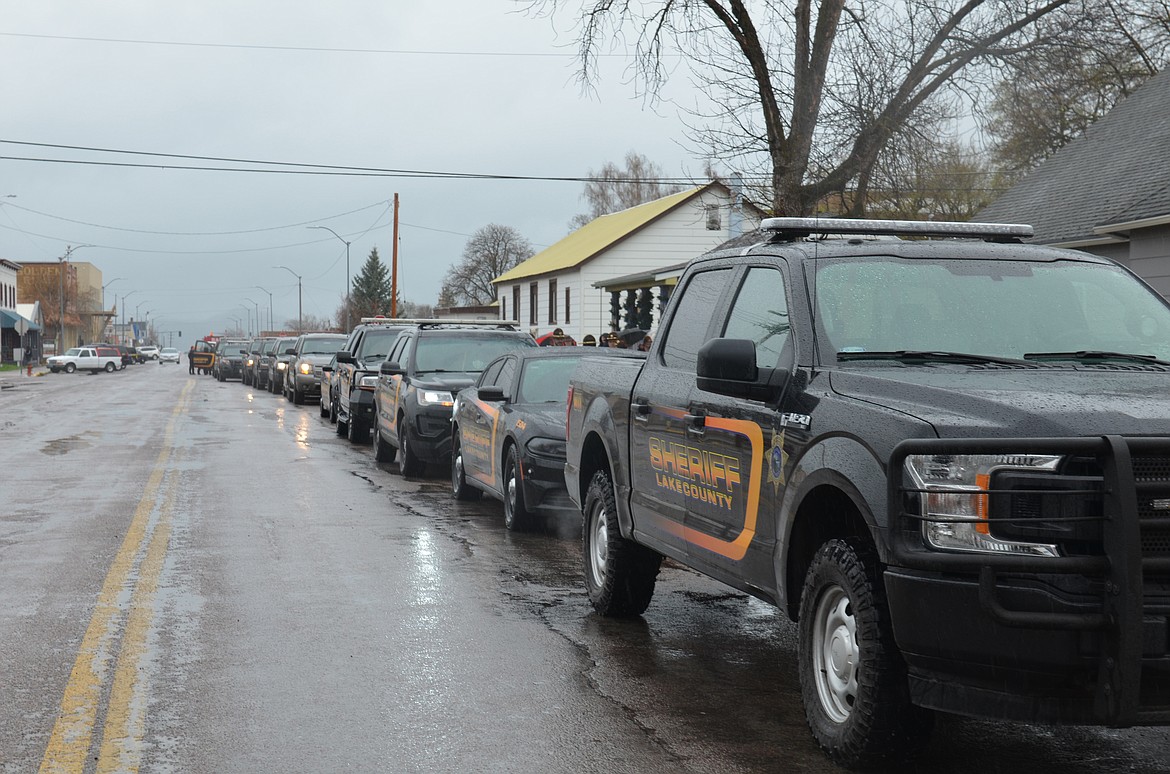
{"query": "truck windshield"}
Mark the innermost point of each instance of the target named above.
(997, 308)
(322, 346)
(376, 345)
(464, 353)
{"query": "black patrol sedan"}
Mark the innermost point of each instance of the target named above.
(508, 437)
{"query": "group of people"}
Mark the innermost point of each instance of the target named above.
(614, 341)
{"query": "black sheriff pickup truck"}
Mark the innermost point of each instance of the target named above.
(943, 452)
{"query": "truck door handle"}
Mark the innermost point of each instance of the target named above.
(696, 423)
(642, 410)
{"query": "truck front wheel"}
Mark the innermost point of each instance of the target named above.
(852, 678)
(619, 574)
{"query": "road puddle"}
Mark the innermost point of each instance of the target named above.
(60, 446)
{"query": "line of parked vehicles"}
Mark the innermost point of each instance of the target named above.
(102, 357)
(478, 399)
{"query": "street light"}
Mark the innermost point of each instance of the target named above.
(334, 233)
(122, 308)
(111, 282)
(253, 303)
(136, 317)
(236, 320)
(270, 329)
(61, 292)
(300, 315)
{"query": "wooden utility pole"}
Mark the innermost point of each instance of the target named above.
(394, 265)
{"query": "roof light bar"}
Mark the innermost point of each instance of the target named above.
(802, 227)
(430, 321)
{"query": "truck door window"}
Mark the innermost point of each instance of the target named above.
(760, 313)
(691, 320)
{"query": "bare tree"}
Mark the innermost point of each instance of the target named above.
(490, 252)
(809, 93)
(1050, 96)
(309, 323)
(613, 189)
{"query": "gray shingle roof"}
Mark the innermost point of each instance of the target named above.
(1118, 172)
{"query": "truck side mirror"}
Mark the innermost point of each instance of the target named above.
(345, 356)
(390, 369)
(728, 367)
(492, 392)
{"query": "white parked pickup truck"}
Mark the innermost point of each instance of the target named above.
(86, 359)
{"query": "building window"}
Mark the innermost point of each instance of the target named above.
(714, 219)
(533, 296)
(552, 302)
(516, 302)
(568, 306)
(503, 309)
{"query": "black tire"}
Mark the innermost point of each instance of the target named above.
(852, 677)
(409, 463)
(323, 406)
(70, 367)
(220, 377)
(516, 515)
(110, 367)
(619, 573)
(298, 396)
(383, 451)
(342, 426)
(459, 486)
(358, 431)
(332, 411)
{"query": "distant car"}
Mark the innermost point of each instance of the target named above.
(149, 351)
(86, 359)
(417, 382)
(355, 375)
(278, 365)
(168, 355)
(252, 359)
(508, 433)
(229, 359)
(312, 351)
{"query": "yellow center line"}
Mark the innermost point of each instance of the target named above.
(72, 734)
(121, 748)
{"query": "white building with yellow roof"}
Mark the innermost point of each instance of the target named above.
(560, 287)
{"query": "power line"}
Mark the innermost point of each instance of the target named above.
(303, 168)
(192, 233)
(316, 49)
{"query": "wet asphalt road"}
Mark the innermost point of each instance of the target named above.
(202, 577)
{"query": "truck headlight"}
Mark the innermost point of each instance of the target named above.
(435, 398)
(953, 499)
(306, 368)
(368, 383)
(280, 366)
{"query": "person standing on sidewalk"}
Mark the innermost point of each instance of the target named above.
(191, 359)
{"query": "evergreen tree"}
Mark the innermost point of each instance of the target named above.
(372, 288)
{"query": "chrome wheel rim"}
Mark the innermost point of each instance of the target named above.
(598, 546)
(510, 493)
(836, 654)
(457, 470)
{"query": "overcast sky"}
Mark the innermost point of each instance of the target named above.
(465, 86)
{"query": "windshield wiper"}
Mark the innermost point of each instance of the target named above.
(1095, 356)
(930, 356)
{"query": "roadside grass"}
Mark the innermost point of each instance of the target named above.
(9, 367)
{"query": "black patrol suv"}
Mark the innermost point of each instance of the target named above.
(229, 359)
(355, 374)
(417, 382)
